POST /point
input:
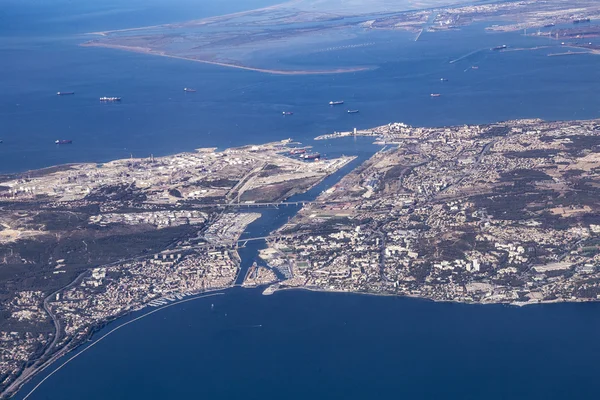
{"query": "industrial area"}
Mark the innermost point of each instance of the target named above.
(83, 244)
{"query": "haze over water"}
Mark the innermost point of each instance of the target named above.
(233, 107)
(308, 345)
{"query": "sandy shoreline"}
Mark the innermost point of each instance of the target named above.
(146, 50)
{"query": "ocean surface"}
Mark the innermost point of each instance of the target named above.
(293, 344)
(40, 56)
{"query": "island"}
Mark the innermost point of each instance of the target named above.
(84, 244)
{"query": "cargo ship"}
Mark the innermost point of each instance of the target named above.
(63, 141)
(581, 20)
(288, 113)
(297, 151)
(189, 90)
(110, 99)
(444, 79)
(312, 156)
(435, 95)
(497, 48)
(64, 93)
(352, 111)
(335, 103)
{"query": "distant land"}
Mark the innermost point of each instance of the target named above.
(306, 26)
(499, 213)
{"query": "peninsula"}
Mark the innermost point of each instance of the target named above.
(499, 213)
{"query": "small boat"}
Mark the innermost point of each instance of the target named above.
(352, 111)
(288, 113)
(189, 90)
(435, 95)
(444, 79)
(63, 141)
(64, 93)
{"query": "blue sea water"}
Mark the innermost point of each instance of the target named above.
(309, 345)
(301, 345)
(231, 107)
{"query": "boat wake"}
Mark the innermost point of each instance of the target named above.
(466, 56)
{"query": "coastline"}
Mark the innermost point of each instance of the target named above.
(74, 348)
(52, 353)
(269, 292)
(18, 383)
(145, 50)
(201, 21)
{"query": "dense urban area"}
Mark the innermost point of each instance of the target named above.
(501, 213)
(498, 213)
(82, 244)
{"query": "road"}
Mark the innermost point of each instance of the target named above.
(38, 366)
(463, 175)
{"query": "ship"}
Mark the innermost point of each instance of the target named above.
(581, 20)
(288, 113)
(312, 156)
(435, 95)
(444, 79)
(64, 93)
(189, 90)
(297, 151)
(110, 99)
(336, 103)
(352, 111)
(63, 141)
(497, 48)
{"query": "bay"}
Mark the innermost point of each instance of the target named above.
(234, 107)
(293, 344)
(300, 345)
